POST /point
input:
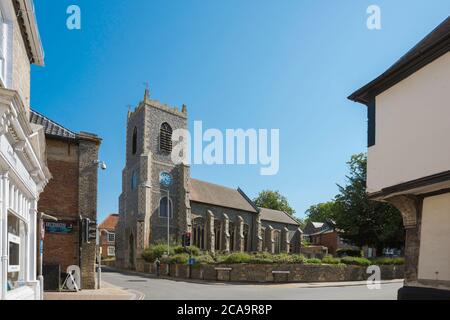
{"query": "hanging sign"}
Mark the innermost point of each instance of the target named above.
(59, 227)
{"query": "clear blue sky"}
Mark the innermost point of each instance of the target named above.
(236, 64)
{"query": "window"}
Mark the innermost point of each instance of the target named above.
(163, 208)
(263, 236)
(246, 235)
(198, 232)
(111, 251)
(3, 48)
(134, 143)
(16, 252)
(277, 240)
(165, 138)
(134, 180)
(232, 229)
(111, 237)
(217, 234)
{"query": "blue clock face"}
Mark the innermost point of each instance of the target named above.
(165, 179)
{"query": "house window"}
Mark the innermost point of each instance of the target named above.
(163, 207)
(111, 251)
(3, 48)
(16, 252)
(165, 138)
(134, 144)
(198, 232)
(111, 237)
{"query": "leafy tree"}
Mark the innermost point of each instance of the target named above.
(366, 222)
(321, 212)
(273, 200)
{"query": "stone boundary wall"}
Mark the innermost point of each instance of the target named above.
(264, 272)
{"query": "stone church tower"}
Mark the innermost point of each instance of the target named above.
(143, 202)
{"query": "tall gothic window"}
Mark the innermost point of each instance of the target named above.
(134, 147)
(163, 208)
(277, 238)
(263, 236)
(165, 138)
(217, 234)
(246, 235)
(198, 233)
(232, 229)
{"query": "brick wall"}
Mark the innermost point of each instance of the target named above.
(71, 192)
(60, 199)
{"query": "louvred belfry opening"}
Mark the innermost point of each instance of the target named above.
(165, 138)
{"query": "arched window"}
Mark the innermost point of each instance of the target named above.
(277, 240)
(165, 138)
(163, 208)
(263, 236)
(246, 235)
(198, 233)
(232, 229)
(217, 234)
(134, 143)
(134, 180)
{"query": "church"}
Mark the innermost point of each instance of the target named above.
(161, 202)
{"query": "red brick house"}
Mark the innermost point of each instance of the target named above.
(327, 235)
(71, 197)
(107, 231)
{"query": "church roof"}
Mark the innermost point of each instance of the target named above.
(209, 193)
(277, 216)
(51, 127)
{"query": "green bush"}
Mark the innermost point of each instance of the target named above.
(235, 258)
(313, 261)
(153, 252)
(182, 258)
(388, 261)
(262, 258)
(191, 249)
(356, 261)
(331, 260)
(298, 258)
(282, 258)
(204, 259)
(348, 253)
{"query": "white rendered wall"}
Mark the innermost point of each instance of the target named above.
(412, 128)
(435, 238)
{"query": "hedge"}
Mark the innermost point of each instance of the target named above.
(348, 253)
(356, 261)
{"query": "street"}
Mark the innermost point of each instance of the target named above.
(164, 289)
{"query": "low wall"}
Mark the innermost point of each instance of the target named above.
(274, 272)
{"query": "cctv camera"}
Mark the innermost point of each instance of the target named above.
(103, 166)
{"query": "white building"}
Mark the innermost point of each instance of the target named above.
(23, 171)
(409, 157)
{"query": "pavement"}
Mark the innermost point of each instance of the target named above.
(108, 291)
(152, 288)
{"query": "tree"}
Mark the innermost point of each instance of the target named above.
(366, 222)
(321, 212)
(273, 200)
